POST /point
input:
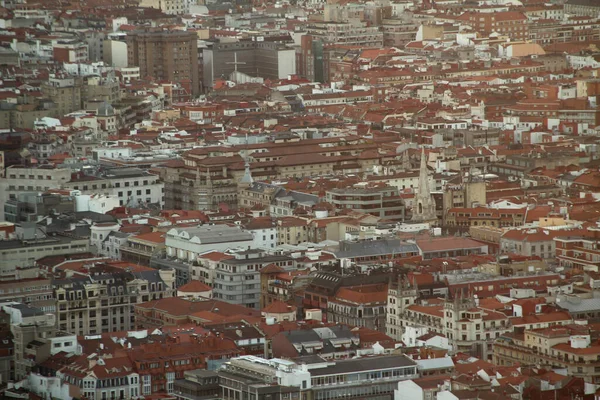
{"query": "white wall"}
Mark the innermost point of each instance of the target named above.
(408, 390)
(264, 238)
(411, 333)
(287, 63)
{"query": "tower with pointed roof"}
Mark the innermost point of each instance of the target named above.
(424, 205)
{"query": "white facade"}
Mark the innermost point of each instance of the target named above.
(131, 189)
(264, 238)
(189, 243)
(411, 333)
(409, 390)
(96, 203)
(286, 60)
(66, 343)
(100, 233)
(50, 386)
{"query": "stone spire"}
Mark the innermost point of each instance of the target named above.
(247, 178)
(424, 190)
(424, 209)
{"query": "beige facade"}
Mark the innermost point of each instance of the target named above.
(555, 347)
(291, 230)
(65, 92)
(466, 194)
(98, 306)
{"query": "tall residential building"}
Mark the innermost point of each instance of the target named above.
(103, 301)
(171, 56)
(237, 280)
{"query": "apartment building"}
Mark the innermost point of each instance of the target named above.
(176, 7)
(574, 348)
(103, 301)
(468, 328)
(347, 34)
(22, 253)
(166, 55)
(363, 306)
(19, 179)
(132, 186)
(384, 202)
(34, 291)
(482, 216)
(65, 92)
(584, 8)
(27, 324)
(578, 252)
(510, 23)
(237, 279)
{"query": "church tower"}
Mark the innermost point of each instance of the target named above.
(424, 205)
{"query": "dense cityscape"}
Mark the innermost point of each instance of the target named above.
(300, 199)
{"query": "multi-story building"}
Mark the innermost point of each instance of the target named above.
(166, 55)
(16, 254)
(103, 301)
(330, 343)
(187, 244)
(483, 216)
(265, 59)
(27, 324)
(584, 8)
(261, 379)
(383, 202)
(363, 305)
(347, 34)
(19, 179)
(467, 327)
(169, 6)
(195, 384)
(132, 186)
(65, 92)
(180, 311)
(141, 248)
(568, 347)
(510, 23)
(365, 378)
(34, 291)
(237, 279)
(578, 252)
(33, 206)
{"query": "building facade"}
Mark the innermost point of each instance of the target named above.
(166, 55)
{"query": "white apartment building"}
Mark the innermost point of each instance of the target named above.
(131, 186)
